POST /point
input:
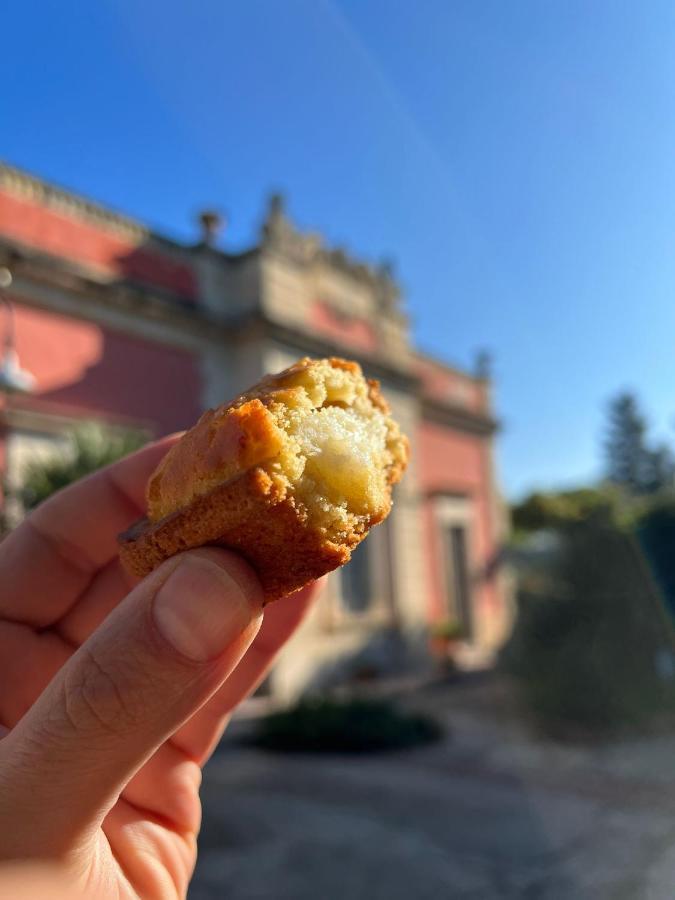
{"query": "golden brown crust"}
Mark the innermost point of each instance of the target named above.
(224, 442)
(247, 515)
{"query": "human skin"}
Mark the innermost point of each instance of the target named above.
(116, 691)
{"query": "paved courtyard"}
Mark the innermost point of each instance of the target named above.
(486, 814)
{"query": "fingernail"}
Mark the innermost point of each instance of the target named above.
(201, 608)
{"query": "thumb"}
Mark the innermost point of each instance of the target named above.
(153, 662)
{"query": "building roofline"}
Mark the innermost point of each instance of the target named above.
(454, 369)
(155, 305)
(73, 203)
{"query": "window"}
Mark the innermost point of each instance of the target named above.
(457, 577)
(356, 582)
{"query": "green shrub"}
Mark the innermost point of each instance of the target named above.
(91, 447)
(322, 725)
(544, 511)
(584, 651)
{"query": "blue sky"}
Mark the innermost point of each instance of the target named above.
(516, 159)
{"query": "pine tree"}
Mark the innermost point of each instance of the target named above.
(625, 446)
(630, 462)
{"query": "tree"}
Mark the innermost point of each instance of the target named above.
(659, 469)
(630, 462)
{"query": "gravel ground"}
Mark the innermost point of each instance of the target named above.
(488, 813)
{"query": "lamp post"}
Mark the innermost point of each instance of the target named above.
(13, 380)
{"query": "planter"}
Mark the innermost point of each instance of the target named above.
(443, 647)
(445, 636)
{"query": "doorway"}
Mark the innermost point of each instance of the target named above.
(457, 584)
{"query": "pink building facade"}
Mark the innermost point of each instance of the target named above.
(124, 327)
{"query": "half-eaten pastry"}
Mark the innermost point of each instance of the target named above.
(291, 475)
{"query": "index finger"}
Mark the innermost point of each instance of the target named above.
(49, 560)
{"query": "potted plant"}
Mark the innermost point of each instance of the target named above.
(444, 636)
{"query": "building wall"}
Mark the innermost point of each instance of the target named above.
(87, 369)
(343, 328)
(410, 572)
(457, 465)
(338, 305)
(228, 288)
(449, 386)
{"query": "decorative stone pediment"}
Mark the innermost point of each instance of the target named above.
(281, 236)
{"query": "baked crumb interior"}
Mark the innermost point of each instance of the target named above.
(319, 430)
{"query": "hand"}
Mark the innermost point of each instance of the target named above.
(115, 692)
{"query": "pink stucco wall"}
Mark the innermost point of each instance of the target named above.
(3, 453)
(452, 462)
(103, 249)
(83, 368)
(350, 331)
(449, 386)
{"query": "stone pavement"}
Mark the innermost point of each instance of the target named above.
(478, 816)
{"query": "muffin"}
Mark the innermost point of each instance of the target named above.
(291, 475)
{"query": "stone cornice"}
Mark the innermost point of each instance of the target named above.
(40, 280)
(458, 417)
(24, 413)
(69, 274)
